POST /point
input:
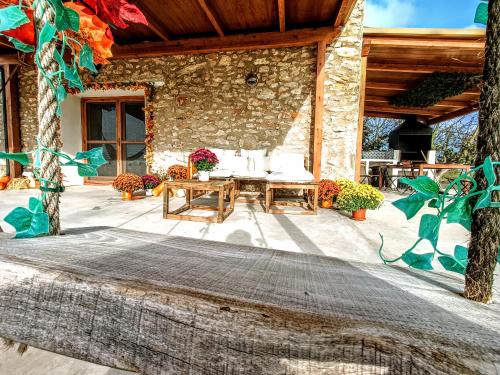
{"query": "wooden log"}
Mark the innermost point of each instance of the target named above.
(173, 305)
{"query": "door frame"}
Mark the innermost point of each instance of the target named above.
(118, 100)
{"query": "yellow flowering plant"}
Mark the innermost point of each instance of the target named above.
(357, 196)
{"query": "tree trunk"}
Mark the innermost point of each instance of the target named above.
(48, 121)
(485, 238)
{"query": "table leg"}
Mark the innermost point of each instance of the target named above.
(165, 200)
(220, 216)
(316, 197)
(231, 197)
(268, 198)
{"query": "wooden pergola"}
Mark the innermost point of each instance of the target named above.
(399, 59)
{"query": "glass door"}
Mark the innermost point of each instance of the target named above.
(117, 125)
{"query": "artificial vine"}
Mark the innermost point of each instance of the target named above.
(454, 208)
(435, 88)
(79, 33)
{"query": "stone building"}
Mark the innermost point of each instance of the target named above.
(203, 100)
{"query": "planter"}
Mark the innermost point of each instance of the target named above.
(326, 204)
(126, 196)
(149, 192)
(359, 215)
(203, 176)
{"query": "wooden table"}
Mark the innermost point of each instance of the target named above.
(311, 207)
(221, 187)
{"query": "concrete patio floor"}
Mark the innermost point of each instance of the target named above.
(330, 233)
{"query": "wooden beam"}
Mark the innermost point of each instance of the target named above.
(408, 111)
(405, 87)
(455, 114)
(211, 17)
(344, 12)
(281, 14)
(154, 24)
(426, 43)
(444, 103)
(396, 116)
(292, 38)
(9, 59)
(424, 69)
(12, 116)
(318, 109)
(361, 117)
(423, 33)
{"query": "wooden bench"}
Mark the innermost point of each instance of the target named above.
(156, 304)
(310, 203)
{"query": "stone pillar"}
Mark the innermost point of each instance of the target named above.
(341, 101)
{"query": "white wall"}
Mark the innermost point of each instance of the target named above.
(71, 126)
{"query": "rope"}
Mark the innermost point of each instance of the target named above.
(48, 121)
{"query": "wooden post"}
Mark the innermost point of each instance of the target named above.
(12, 116)
(318, 109)
(362, 90)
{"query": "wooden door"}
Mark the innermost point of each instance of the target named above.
(117, 125)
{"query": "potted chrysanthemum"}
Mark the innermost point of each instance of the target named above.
(205, 161)
(150, 182)
(358, 198)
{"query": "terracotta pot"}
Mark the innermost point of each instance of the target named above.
(359, 215)
(126, 196)
(326, 204)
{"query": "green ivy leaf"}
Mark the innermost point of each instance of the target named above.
(46, 34)
(20, 46)
(434, 203)
(66, 18)
(461, 253)
(31, 222)
(484, 201)
(410, 205)
(423, 184)
(20, 157)
(95, 157)
(12, 17)
(420, 261)
(74, 81)
(481, 14)
(86, 58)
(449, 263)
(460, 212)
(429, 228)
(489, 171)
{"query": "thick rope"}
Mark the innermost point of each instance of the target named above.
(48, 121)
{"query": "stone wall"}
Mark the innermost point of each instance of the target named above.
(342, 93)
(203, 100)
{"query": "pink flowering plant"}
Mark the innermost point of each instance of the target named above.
(204, 159)
(150, 182)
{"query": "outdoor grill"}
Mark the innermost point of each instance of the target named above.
(413, 139)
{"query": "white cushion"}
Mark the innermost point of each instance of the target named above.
(291, 176)
(251, 174)
(223, 155)
(281, 161)
(253, 153)
(236, 163)
(224, 173)
(259, 163)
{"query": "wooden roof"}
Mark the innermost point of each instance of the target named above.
(399, 59)
(200, 26)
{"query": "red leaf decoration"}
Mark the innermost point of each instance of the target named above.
(24, 33)
(117, 12)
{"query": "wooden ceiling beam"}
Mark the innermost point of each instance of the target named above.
(407, 111)
(426, 43)
(291, 38)
(444, 103)
(344, 12)
(391, 86)
(211, 17)
(154, 24)
(424, 69)
(396, 116)
(281, 14)
(455, 114)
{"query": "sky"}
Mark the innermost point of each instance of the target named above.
(421, 13)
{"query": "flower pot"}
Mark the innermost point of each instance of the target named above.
(326, 204)
(126, 196)
(149, 192)
(359, 215)
(203, 176)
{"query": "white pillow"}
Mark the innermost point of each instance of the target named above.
(286, 161)
(291, 176)
(222, 155)
(236, 163)
(259, 163)
(253, 153)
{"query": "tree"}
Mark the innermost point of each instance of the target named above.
(376, 133)
(485, 235)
